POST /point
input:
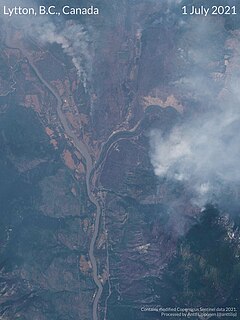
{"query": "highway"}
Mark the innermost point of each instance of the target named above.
(82, 148)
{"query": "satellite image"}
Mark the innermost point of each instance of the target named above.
(119, 159)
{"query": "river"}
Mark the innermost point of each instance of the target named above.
(90, 168)
(82, 148)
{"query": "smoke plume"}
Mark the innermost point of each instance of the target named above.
(203, 152)
(70, 35)
(74, 41)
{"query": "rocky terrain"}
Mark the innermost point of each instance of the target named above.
(145, 68)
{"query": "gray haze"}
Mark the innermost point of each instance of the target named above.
(73, 39)
(203, 152)
(70, 35)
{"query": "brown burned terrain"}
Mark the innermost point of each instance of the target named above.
(153, 246)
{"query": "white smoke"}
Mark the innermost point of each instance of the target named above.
(70, 35)
(74, 41)
(203, 152)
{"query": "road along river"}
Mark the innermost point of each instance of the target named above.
(91, 167)
(82, 148)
